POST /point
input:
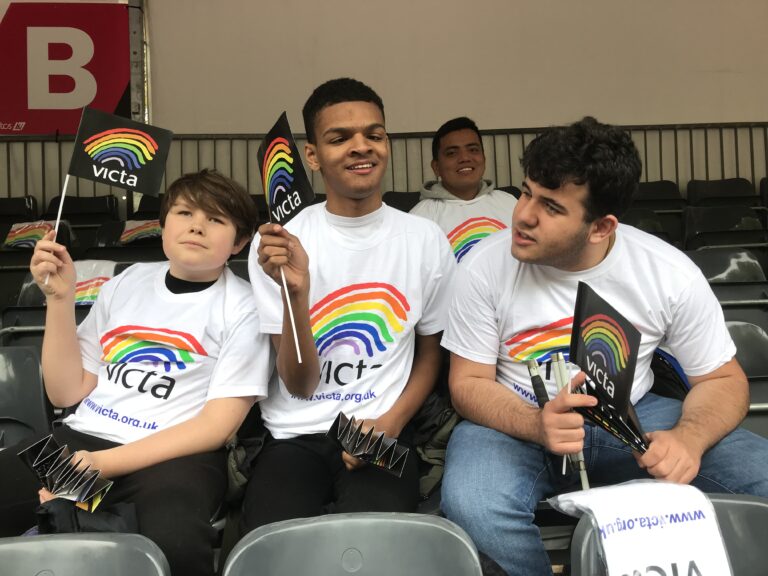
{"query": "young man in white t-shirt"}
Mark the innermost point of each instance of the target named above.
(513, 301)
(165, 367)
(367, 285)
(467, 207)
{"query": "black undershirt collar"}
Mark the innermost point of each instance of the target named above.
(179, 286)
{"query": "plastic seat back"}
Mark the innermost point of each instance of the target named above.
(728, 191)
(364, 544)
(646, 220)
(722, 225)
(23, 408)
(149, 207)
(84, 209)
(720, 265)
(18, 209)
(658, 195)
(401, 200)
(93, 554)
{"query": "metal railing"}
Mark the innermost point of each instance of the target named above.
(36, 165)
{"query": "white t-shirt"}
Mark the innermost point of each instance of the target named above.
(375, 282)
(466, 222)
(161, 356)
(505, 312)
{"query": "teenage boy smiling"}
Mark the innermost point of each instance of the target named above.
(368, 288)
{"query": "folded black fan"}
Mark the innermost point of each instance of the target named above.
(627, 430)
(53, 466)
(370, 446)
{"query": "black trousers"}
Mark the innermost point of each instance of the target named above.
(305, 476)
(174, 500)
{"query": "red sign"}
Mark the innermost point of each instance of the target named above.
(56, 58)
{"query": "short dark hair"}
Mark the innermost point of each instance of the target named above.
(213, 192)
(600, 156)
(335, 92)
(454, 125)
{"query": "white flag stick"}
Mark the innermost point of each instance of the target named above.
(58, 216)
(290, 314)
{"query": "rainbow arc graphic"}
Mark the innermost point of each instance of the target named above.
(470, 232)
(126, 147)
(542, 342)
(277, 170)
(605, 339)
(154, 345)
(364, 317)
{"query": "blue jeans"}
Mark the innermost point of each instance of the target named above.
(493, 482)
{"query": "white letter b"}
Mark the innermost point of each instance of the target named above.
(40, 68)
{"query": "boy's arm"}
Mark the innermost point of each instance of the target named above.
(280, 250)
(209, 430)
(66, 382)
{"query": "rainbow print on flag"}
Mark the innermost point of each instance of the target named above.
(470, 232)
(153, 345)
(87, 291)
(26, 234)
(127, 147)
(277, 170)
(605, 339)
(542, 342)
(365, 317)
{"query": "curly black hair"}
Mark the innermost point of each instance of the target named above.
(600, 156)
(335, 92)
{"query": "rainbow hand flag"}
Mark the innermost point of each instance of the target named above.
(120, 152)
(605, 345)
(286, 186)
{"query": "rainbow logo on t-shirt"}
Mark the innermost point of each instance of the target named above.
(129, 148)
(605, 339)
(542, 342)
(470, 232)
(26, 234)
(361, 316)
(87, 291)
(154, 345)
(277, 170)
